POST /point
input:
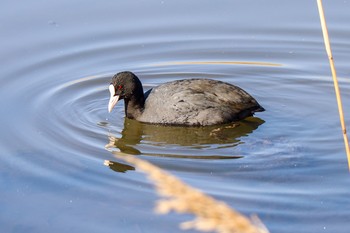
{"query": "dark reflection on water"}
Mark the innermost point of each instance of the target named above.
(118, 167)
(135, 131)
(195, 137)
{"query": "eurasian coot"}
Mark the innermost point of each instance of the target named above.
(188, 102)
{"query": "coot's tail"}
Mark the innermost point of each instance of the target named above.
(258, 109)
(250, 112)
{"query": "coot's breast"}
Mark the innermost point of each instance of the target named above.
(197, 102)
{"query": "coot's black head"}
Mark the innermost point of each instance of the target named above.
(125, 85)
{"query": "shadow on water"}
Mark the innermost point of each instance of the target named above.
(136, 133)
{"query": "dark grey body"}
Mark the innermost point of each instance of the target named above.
(197, 102)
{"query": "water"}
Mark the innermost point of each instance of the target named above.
(287, 164)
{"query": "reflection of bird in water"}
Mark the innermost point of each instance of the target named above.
(198, 138)
(190, 102)
(118, 167)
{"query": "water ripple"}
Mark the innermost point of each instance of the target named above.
(60, 132)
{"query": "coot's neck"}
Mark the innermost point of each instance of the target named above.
(134, 105)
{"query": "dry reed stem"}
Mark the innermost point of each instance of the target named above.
(334, 75)
(211, 215)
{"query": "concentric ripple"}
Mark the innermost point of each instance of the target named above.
(78, 110)
(286, 164)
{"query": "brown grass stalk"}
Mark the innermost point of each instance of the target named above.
(211, 215)
(334, 75)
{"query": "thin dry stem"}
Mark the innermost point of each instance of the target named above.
(211, 215)
(334, 75)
